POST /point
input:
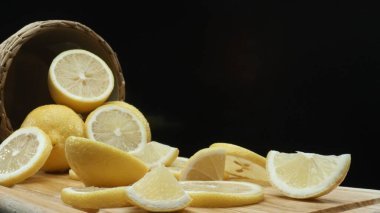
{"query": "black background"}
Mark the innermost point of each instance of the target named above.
(283, 76)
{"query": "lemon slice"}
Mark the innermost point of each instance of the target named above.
(243, 164)
(138, 114)
(158, 191)
(306, 175)
(155, 154)
(58, 122)
(80, 79)
(22, 154)
(206, 164)
(99, 164)
(95, 197)
(218, 194)
(116, 126)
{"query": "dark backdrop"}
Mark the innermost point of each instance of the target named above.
(265, 76)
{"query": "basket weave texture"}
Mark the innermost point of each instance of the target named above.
(24, 61)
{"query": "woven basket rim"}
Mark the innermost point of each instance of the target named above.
(11, 46)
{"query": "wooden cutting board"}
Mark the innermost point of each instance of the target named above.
(41, 193)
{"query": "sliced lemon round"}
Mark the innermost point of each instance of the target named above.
(155, 154)
(95, 197)
(116, 126)
(306, 175)
(99, 164)
(243, 164)
(218, 194)
(80, 79)
(138, 113)
(206, 164)
(22, 154)
(58, 122)
(158, 191)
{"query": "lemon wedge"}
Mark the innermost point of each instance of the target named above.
(306, 175)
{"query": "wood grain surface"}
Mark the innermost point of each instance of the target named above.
(41, 193)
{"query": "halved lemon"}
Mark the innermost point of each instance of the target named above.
(158, 191)
(80, 79)
(99, 164)
(155, 154)
(243, 165)
(117, 126)
(136, 112)
(95, 197)
(306, 175)
(218, 194)
(206, 164)
(22, 154)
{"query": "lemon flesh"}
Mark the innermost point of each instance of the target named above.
(158, 191)
(22, 154)
(306, 175)
(80, 79)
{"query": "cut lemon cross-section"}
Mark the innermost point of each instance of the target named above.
(116, 126)
(158, 191)
(95, 197)
(22, 154)
(243, 164)
(218, 194)
(306, 175)
(80, 79)
(138, 114)
(99, 164)
(206, 164)
(155, 154)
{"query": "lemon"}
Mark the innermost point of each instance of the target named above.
(80, 79)
(22, 154)
(243, 164)
(117, 126)
(155, 154)
(158, 191)
(179, 162)
(138, 114)
(58, 122)
(99, 164)
(95, 197)
(218, 194)
(73, 175)
(206, 164)
(306, 175)
(177, 165)
(176, 171)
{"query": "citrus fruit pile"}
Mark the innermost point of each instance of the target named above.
(109, 148)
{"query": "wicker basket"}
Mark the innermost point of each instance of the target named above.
(25, 58)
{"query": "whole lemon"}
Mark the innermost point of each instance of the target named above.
(58, 122)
